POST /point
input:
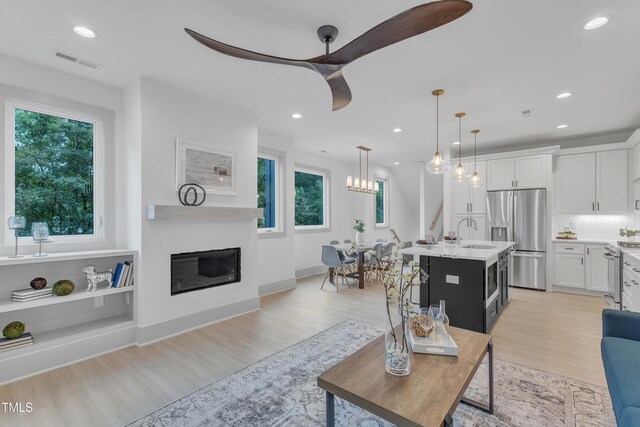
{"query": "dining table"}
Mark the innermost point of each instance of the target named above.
(360, 250)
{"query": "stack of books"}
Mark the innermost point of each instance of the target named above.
(11, 343)
(23, 295)
(123, 276)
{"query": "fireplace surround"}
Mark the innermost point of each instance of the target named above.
(192, 271)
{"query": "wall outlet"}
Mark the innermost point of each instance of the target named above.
(98, 301)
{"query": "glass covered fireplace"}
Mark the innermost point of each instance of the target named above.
(199, 270)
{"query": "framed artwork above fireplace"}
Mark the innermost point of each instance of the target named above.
(211, 168)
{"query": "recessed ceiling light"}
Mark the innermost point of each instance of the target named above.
(397, 130)
(296, 115)
(564, 95)
(396, 163)
(596, 23)
(562, 126)
(456, 143)
(85, 32)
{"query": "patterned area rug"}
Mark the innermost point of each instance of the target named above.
(281, 391)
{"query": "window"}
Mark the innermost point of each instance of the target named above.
(268, 193)
(381, 203)
(51, 169)
(310, 199)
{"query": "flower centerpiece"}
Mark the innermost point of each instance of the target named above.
(399, 279)
(359, 227)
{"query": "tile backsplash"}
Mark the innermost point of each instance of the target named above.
(596, 226)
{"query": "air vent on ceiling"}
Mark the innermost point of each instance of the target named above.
(527, 113)
(75, 59)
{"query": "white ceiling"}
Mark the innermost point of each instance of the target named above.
(503, 57)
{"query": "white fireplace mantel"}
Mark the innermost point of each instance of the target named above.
(178, 212)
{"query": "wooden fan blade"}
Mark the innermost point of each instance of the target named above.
(339, 90)
(243, 53)
(403, 26)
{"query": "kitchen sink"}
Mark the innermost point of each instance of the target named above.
(477, 247)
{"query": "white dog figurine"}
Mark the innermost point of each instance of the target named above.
(93, 277)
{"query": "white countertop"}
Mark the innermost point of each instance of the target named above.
(585, 241)
(448, 250)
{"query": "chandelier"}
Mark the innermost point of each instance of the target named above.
(362, 184)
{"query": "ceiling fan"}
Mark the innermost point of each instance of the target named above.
(409, 23)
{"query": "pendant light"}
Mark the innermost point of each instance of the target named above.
(437, 165)
(460, 174)
(475, 178)
(362, 184)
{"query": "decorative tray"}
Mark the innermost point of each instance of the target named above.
(429, 346)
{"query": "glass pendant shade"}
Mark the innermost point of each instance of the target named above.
(475, 180)
(437, 165)
(460, 174)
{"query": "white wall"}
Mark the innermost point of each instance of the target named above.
(276, 252)
(346, 206)
(31, 82)
(168, 113)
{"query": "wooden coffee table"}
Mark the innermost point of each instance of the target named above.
(428, 396)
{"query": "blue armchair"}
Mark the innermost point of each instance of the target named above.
(620, 347)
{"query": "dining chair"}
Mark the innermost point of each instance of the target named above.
(382, 240)
(348, 241)
(343, 256)
(331, 259)
(386, 257)
(372, 264)
(334, 242)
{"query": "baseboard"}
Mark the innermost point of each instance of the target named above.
(159, 331)
(578, 291)
(311, 271)
(275, 287)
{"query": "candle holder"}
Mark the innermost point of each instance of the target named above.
(40, 233)
(16, 223)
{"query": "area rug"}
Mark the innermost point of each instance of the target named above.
(281, 390)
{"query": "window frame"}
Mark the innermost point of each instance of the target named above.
(385, 202)
(279, 192)
(326, 179)
(10, 105)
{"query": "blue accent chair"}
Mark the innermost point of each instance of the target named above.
(620, 347)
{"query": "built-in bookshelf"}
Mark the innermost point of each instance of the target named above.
(66, 328)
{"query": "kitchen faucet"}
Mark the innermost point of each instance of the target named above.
(467, 218)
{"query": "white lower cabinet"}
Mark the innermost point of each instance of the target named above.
(581, 266)
(597, 278)
(570, 270)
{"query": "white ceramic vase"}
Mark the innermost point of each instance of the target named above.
(359, 238)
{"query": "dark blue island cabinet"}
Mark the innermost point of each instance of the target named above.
(469, 287)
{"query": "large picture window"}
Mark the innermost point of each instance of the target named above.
(268, 193)
(51, 169)
(381, 203)
(310, 199)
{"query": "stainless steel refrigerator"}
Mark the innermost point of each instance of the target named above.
(519, 216)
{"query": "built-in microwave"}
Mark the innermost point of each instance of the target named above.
(491, 289)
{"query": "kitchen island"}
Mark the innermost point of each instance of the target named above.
(472, 277)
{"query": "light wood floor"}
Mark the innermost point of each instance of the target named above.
(555, 332)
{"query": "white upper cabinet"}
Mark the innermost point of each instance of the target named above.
(520, 172)
(592, 182)
(611, 181)
(466, 199)
(635, 156)
(530, 172)
(478, 197)
(500, 174)
(575, 183)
